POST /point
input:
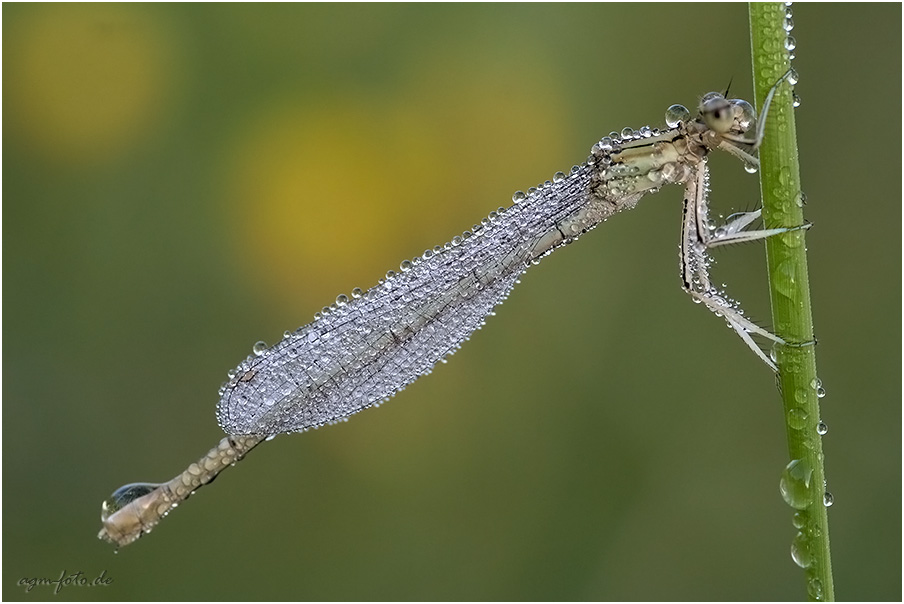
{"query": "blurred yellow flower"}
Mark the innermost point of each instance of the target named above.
(85, 79)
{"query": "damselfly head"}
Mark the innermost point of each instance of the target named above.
(717, 112)
(722, 115)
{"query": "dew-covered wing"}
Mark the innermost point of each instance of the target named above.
(371, 346)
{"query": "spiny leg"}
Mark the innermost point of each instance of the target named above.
(733, 230)
(698, 235)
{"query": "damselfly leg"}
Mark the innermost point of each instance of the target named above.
(698, 236)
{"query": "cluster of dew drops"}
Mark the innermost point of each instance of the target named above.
(790, 46)
(795, 489)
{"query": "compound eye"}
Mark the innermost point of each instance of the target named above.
(745, 114)
(717, 112)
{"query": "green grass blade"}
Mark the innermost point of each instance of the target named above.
(803, 482)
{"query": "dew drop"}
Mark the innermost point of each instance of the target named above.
(558, 177)
(793, 79)
(744, 112)
(341, 299)
(357, 293)
(405, 265)
(517, 197)
(795, 484)
(675, 115)
(800, 551)
(427, 254)
(123, 496)
(821, 428)
(797, 418)
(814, 589)
(259, 348)
(788, 25)
(786, 280)
(828, 499)
(795, 100)
(816, 384)
(627, 133)
(750, 168)
(790, 43)
(799, 520)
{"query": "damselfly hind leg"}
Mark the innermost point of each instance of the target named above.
(698, 236)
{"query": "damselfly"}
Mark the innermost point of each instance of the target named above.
(363, 349)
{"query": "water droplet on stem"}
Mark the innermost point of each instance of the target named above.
(795, 484)
(800, 551)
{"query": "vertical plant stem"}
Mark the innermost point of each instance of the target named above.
(803, 481)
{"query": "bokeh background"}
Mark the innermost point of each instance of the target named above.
(180, 181)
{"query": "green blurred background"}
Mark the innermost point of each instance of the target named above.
(183, 180)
